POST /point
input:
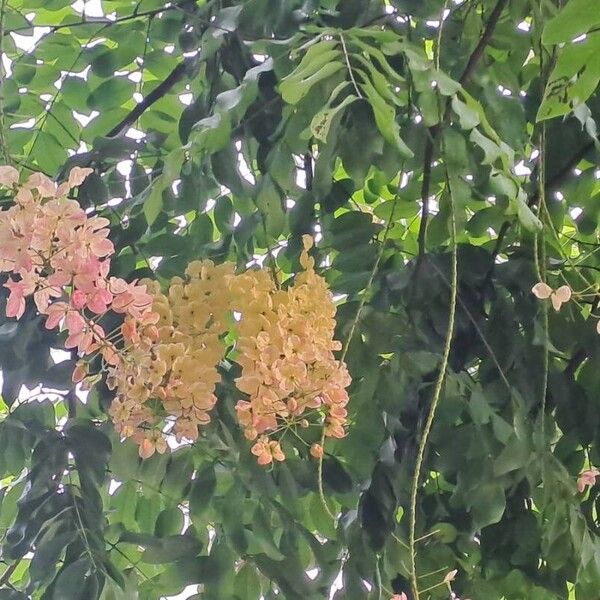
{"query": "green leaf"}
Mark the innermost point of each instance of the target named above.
(170, 522)
(153, 203)
(468, 117)
(70, 583)
(514, 456)
(203, 488)
(247, 583)
(525, 214)
(575, 18)
(487, 503)
(321, 122)
(385, 118)
(320, 61)
(162, 550)
(111, 93)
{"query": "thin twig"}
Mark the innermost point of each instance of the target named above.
(425, 186)
(435, 399)
(347, 58)
(174, 77)
(485, 39)
(98, 20)
(434, 131)
(8, 573)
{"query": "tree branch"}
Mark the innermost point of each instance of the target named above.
(98, 20)
(427, 159)
(485, 39)
(308, 170)
(174, 77)
(7, 574)
(575, 362)
(434, 131)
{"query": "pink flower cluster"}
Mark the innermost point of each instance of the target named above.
(162, 359)
(54, 252)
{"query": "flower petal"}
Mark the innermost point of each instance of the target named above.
(450, 576)
(8, 175)
(556, 301)
(77, 176)
(563, 293)
(541, 290)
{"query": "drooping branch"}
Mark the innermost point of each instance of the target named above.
(427, 159)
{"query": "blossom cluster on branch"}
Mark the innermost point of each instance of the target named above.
(162, 360)
(286, 351)
(53, 251)
(168, 371)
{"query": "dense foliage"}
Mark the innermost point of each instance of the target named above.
(442, 154)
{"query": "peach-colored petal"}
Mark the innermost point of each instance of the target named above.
(80, 372)
(563, 293)
(450, 576)
(78, 299)
(15, 306)
(8, 176)
(24, 196)
(78, 175)
(43, 184)
(147, 448)
(316, 450)
(541, 290)
(587, 479)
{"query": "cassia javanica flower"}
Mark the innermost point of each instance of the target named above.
(558, 296)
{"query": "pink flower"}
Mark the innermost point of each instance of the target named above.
(85, 338)
(78, 175)
(129, 298)
(98, 301)
(56, 313)
(8, 176)
(43, 295)
(15, 307)
(80, 372)
(316, 451)
(45, 187)
(110, 355)
(558, 296)
(24, 196)
(401, 596)
(75, 322)
(117, 285)
(129, 331)
(78, 299)
(587, 479)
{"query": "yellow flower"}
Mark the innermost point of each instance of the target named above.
(152, 442)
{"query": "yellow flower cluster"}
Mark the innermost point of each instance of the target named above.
(286, 351)
(166, 381)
